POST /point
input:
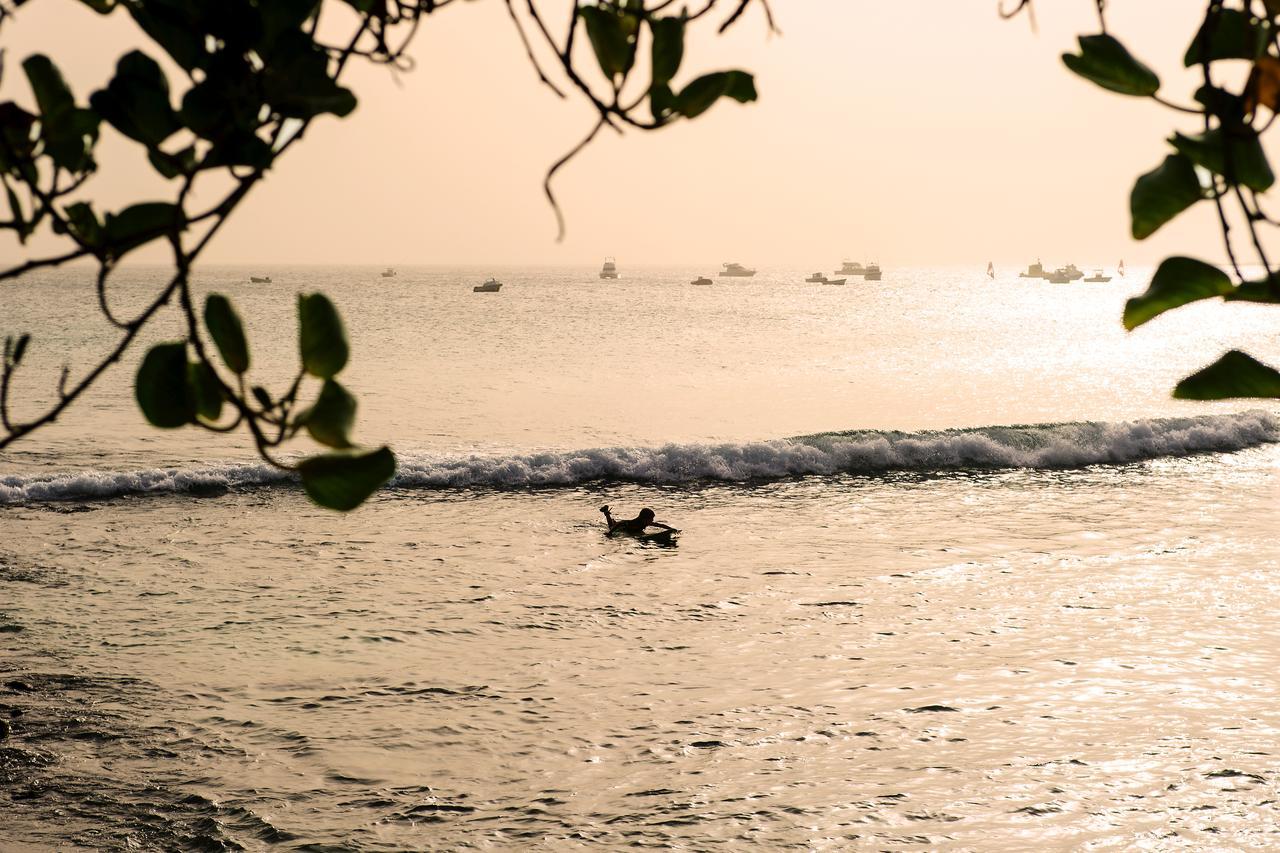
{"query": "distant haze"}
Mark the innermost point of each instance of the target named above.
(922, 133)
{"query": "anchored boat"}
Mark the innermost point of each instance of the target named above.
(736, 271)
(491, 285)
(610, 269)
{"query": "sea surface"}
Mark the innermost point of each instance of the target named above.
(955, 573)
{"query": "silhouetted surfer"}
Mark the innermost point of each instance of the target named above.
(634, 526)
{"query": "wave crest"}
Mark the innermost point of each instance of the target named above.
(859, 452)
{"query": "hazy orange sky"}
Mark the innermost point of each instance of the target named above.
(912, 133)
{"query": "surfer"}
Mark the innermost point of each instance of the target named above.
(634, 526)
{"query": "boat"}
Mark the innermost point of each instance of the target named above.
(389, 273)
(491, 285)
(991, 269)
(850, 268)
(1098, 276)
(701, 280)
(1035, 270)
(610, 269)
(1072, 273)
(817, 278)
(1059, 276)
(736, 271)
(1120, 269)
(871, 272)
(260, 279)
(835, 281)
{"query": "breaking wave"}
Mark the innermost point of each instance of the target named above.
(1066, 445)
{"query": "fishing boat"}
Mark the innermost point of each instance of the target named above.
(1098, 276)
(871, 272)
(1035, 270)
(1120, 268)
(491, 285)
(260, 279)
(835, 281)
(610, 269)
(389, 273)
(991, 269)
(701, 281)
(1072, 273)
(736, 271)
(817, 278)
(1059, 276)
(850, 268)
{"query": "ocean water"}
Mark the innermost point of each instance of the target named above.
(955, 573)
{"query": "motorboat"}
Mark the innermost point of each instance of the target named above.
(817, 278)
(871, 272)
(610, 269)
(260, 279)
(1072, 273)
(835, 281)
(736, 271)
(850, 268)
(1059, 276)
(1035, 270)
(701, 280)
(1098, 276)
(491, 285)
(389, 273)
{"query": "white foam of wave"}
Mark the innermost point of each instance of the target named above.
(865, 452)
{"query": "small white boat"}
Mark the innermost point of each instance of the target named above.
(389, 273)
(610, 269)
(260, 279)
(736, 271)
(701, 281)
(491, 285)
(1098, 276)
(1072, 273)
(850, 268)
(1059, 276)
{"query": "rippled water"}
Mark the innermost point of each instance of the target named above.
(946, 654)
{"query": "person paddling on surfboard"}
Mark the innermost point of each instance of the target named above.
(634, 526)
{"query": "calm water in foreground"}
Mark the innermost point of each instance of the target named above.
(906, 629)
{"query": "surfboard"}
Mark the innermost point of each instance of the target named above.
(662, 537)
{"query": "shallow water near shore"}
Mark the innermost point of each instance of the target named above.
(1027, 649)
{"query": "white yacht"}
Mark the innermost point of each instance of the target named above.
(610, 269)
(736, 271)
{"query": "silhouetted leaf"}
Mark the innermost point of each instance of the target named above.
(1263, 87)
(1162, 194)
(1227, 34)
(204, 397)
(100, 6)
(345, 479)
(224, 326)
(20, 223)
(264, 399)
(16, 144)
(139, 224)
(84, 224)
(1106, 62)
(69, 133)
(332, 417)
(668, 48)
(52, 94)
(607, 31)
(297, 84)
(1248, 162)
(322, 338)
(136, 101)
(1228, 107)
(172, 165)
(176, 26)
(1177, 281)
(161, 385)
(1236, 374)
(662, 102)
(19, 349)
(1257, 291)
(698, 96)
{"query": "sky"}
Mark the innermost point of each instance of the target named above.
(920, 133)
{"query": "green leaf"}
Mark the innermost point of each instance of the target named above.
(172, 165)
(1236, 374)
(1247, 160)
(204, 396)
(102, 7)
(1162, 194)
(332, 417)
(1257, 291)
(69, 133)
(224, 326)
(16, 142)
(51, 91)
(84, 224)
(1106, 62)
(345, 479)
(297, 84)
(176, 27)
(1227, 34)
(138, 224)
(1228, 107)
(1177, 281)
(607, 30)
(321, 337)
(662, 102)
(161, 385)
(668, 48)
(136, 101)
(698, 96)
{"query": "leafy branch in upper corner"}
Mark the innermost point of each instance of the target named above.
(257, 73)
(1224, 164)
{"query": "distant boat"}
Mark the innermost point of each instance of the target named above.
(817, 278)
(736, 271)
(1120, 269)
(610, 269)
(1035, 270)
(871, 272)
(264, 279)
(1072, 273)
(850, 268)
(991, 269)
(389, 273)
(701, 280)
(491, 285)
(1059, 276)
(1098, 276)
